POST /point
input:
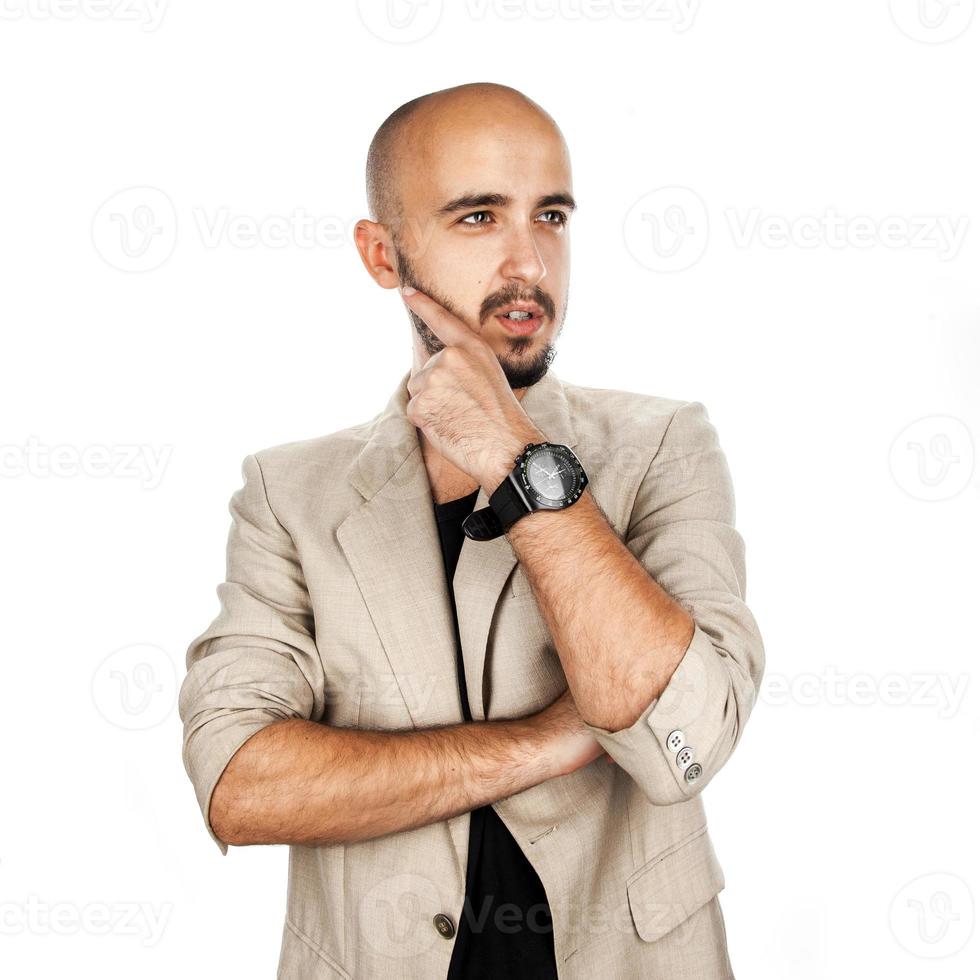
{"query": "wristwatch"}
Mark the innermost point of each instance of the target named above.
(546, 476)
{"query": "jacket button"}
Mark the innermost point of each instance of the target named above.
(444, 925)
(692, 772)
(685, 757)
(675, 740)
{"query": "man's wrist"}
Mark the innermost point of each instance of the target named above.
(499, 468)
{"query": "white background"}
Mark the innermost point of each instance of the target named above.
(822, 302)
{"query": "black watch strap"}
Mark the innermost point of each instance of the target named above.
(506, 506)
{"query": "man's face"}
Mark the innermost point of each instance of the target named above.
(476, 255)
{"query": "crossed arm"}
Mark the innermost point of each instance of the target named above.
(264, 772)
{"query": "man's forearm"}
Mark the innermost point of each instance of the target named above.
(301, 782)
(618, 634)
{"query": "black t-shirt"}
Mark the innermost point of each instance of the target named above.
(494, 941)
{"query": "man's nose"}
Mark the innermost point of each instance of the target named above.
(523, 259)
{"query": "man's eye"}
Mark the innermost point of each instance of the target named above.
(559, 218)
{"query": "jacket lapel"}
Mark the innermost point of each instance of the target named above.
(485, 566)
(392, 545)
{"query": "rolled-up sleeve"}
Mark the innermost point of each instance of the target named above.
(257, 662)
(682, 530)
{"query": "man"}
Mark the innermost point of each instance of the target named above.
(482, 721)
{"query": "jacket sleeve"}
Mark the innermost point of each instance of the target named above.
(257, 662)
(682, 530)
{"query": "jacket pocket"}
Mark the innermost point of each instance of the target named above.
(673, 886)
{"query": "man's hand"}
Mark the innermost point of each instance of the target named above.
(571, 745)
(462, 402)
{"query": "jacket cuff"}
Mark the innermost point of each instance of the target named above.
(669, 748)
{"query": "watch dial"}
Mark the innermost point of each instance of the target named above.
(551, 474)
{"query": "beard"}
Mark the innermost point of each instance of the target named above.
(522, 366)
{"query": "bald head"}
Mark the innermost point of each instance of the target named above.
(414, 131)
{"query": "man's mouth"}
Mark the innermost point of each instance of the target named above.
(522, 320)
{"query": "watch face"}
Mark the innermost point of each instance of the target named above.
(552, 474)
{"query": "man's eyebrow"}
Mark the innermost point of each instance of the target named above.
(467, 202)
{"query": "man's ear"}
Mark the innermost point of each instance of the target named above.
(377, 252)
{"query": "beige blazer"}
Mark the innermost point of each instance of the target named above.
(335, 609)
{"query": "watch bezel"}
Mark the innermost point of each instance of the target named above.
(547, 503)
